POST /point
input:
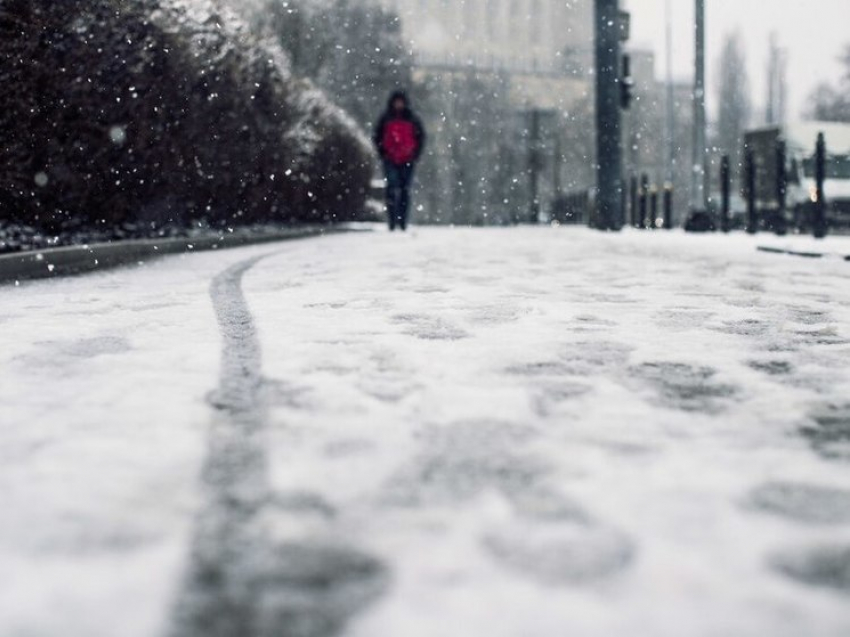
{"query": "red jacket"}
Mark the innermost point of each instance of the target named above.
(399, 137)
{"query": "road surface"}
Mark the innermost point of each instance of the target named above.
(507, 432)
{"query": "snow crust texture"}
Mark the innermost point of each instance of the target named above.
(507, 432)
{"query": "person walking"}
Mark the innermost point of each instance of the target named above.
(400, 138)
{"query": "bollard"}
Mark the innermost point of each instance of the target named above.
(633, 204)
(644, 191)
(752, 217)
(725, 194)
(780, 224)
(653, 207)
(819, 222)
(622, 221)
(668, 206)
(534, 166)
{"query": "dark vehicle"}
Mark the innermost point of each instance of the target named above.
(799, 170)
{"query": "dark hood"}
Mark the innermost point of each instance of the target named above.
(398, 95)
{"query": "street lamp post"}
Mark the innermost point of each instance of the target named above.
(609, 98)
(700, 218)
(698, 190)
(670, 108)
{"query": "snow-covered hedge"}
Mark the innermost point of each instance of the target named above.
(115, 111)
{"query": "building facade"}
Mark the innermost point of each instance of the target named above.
(508, 83)
(518, 35)
(658, 144)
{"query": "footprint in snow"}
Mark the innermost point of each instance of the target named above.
(686, 387)
(803, 502)
(430, 328)
(825, 566)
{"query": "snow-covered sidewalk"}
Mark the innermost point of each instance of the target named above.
(507, 432)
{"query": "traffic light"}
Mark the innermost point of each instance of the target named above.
(627, 83)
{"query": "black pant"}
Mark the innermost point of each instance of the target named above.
(399, 178)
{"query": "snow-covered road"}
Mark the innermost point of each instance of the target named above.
(500, 433)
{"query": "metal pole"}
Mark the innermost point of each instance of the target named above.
(698, 190)
(726, 193)
(633, 204)
(534, 166)
(668, 206)
(781, 223)
(558, 160)
(671, 113)
(644, 191)
(609, 180)
(653, 207)
(752, 216)
(820, 222)
(621, 222)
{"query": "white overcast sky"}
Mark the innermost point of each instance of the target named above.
(813, 31)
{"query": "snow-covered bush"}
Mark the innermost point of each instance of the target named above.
(116, 111)
(353, 49)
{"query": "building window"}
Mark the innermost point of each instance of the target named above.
(493, 16)
(537, 22)
(518, 24)
(470, 17)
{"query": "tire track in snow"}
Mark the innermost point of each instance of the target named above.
(238, 580)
